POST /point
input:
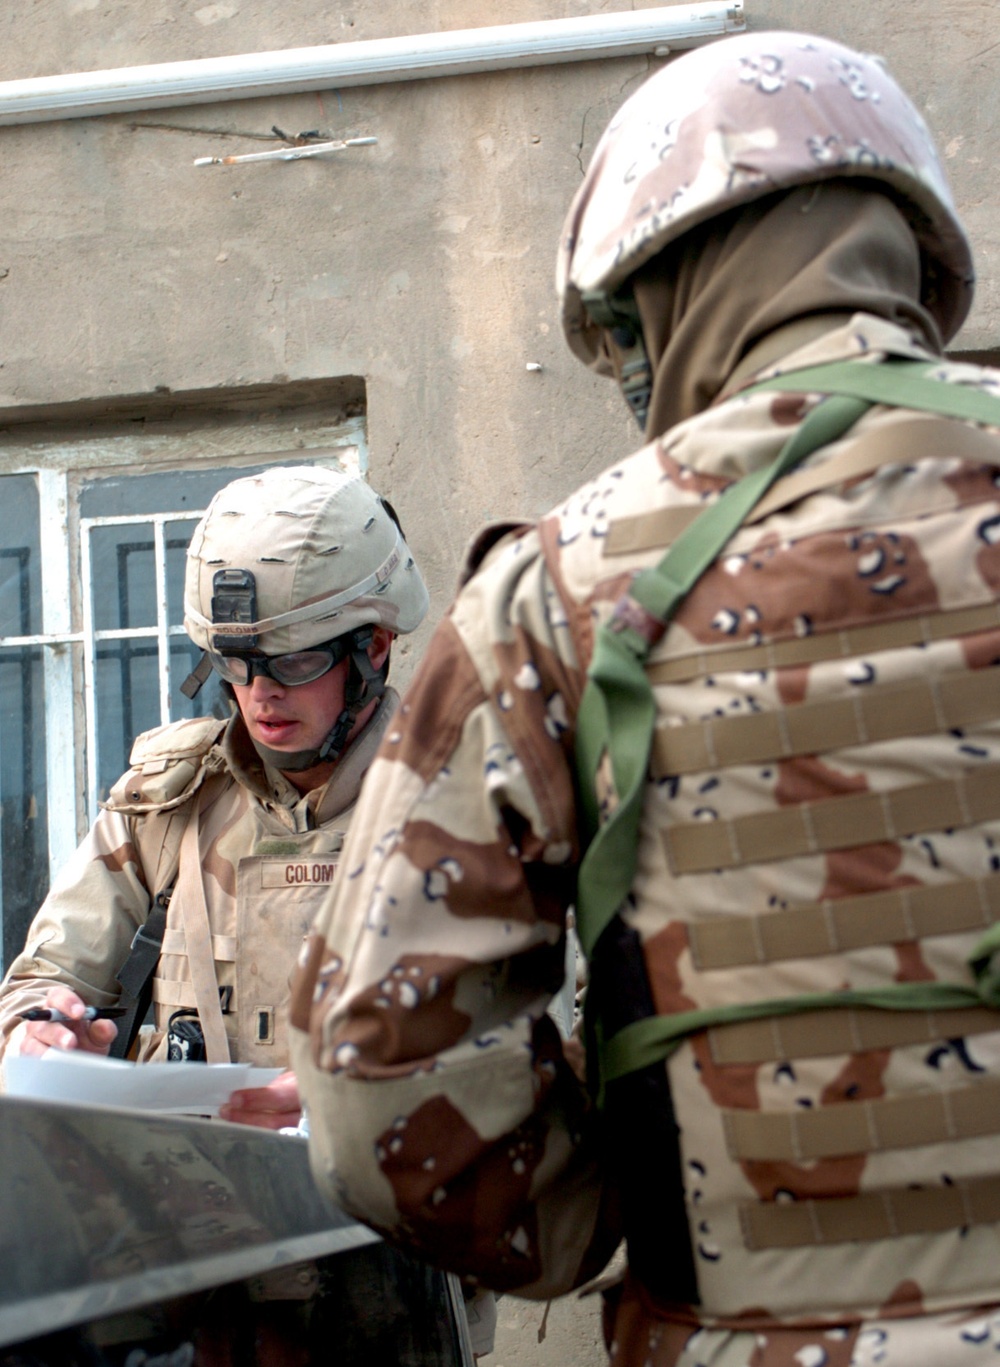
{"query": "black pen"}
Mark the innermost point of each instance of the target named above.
(91, 1013)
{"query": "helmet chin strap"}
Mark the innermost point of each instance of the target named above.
(364, 682)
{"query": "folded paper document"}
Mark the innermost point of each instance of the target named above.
(168, 1088)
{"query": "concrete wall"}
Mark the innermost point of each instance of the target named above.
(423, 265)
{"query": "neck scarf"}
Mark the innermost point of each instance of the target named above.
(766, 279)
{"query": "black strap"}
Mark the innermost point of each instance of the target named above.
(196, 680)
(136, 974)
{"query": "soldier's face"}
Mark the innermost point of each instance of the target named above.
(301, 716)
(291, 719)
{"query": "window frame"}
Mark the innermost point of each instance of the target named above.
(62, 468)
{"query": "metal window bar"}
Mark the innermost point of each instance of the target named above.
(160, 633)
(61, 781)
(56, 666)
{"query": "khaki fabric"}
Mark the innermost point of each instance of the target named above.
(442, 1107)
(266, 856)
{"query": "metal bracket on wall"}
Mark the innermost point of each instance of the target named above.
(297, 153)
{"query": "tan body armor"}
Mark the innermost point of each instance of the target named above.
(248, 859)
(250, 875)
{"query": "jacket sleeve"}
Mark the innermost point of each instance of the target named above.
(82, 931)
(441, 1108)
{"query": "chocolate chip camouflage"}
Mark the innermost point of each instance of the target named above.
(820, 812)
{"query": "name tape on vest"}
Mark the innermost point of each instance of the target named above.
(295, 873)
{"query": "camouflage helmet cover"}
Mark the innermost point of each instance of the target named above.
(739, 119)
(326, 554)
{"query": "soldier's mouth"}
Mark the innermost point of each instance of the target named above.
(275, 727)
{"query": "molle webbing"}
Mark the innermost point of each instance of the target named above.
(811, 929)
(899, 1122)
(175, 992)
(877, 1215)
(891, 634)
(617, 716)
(846, 1030)
(821, 1024)
(877, 712)
(617, 712)
(835, 823)
(901, 443)
(223, 946)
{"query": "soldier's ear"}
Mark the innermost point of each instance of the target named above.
(381, 644)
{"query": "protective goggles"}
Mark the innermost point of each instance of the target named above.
(300, 667)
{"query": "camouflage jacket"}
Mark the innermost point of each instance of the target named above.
(822, 810)
(266, 853)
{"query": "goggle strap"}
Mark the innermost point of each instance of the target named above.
(198, 677)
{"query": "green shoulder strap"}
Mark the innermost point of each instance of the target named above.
(618, 712)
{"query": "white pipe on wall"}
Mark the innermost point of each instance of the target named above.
(455, 53)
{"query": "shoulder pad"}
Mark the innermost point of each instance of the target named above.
(168, 765)
(484, 541)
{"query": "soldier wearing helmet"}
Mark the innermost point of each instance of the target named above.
(297, 581)
(760, 769)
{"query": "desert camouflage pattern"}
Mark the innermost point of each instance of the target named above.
(326, 555)
(268, 855)
(732, 121)
(822, 811)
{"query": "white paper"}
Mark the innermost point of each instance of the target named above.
(167, 1088)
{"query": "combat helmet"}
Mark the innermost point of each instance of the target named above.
(728, 123)
(295, 559)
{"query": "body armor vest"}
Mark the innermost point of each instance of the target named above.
(245, 891)
(817, 863)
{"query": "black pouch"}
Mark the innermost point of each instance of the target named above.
(640, 1131)
(185, 1038)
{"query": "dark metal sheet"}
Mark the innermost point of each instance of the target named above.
(105, 1210)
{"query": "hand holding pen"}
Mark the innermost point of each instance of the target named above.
(90, 1013)
(65, 1021)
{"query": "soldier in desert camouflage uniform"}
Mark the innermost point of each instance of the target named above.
(803, 1175)
(244, 818)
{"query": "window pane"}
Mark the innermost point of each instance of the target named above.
(128, 692)
(123, 566)
(20, 559)
(23, 795)
(178, 538)
(24, 871)
(170, 491)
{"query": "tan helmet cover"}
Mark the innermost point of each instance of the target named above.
(326, 555)
(738, 119)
